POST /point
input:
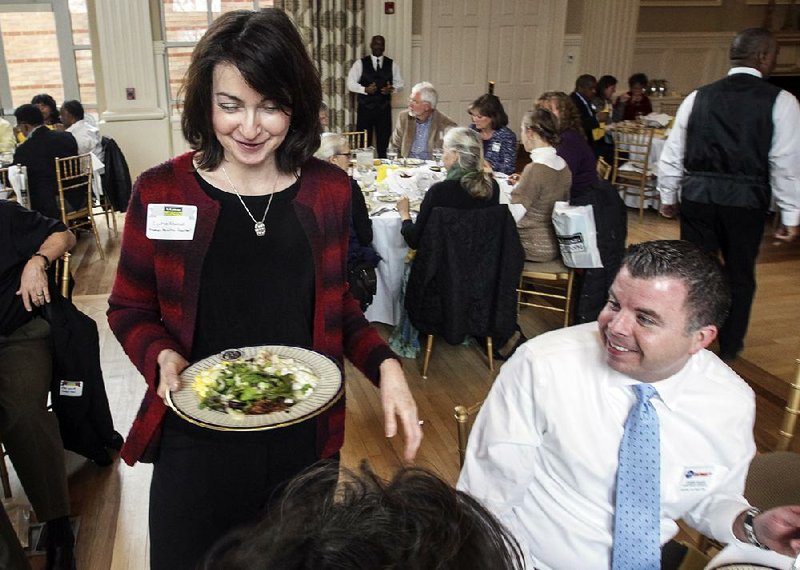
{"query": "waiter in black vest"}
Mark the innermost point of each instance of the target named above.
(735, 147)
(374, 78)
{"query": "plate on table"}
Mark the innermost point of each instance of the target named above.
(328, 389)
(414, 162)
(391, 197)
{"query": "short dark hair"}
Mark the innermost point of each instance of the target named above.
(637, 79)
(605, 82)
(30, 114)
(74, 108)
(749, 43)
(268, 51)
(708, 297)
(416, 521)
(584, 81)
(48, 101)
(490, 106)
(544, 124)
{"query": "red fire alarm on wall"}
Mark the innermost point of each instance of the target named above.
(388, 7)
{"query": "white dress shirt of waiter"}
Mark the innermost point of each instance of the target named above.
(88, 136)
(422, 129)
(543, 454)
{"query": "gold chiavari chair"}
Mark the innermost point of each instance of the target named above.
(631, 175)
(356, 139)
(603, 169)
(464, 418)
(790, 413)
(547, 281)
(74, 179)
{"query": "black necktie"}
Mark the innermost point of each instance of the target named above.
(378, 65)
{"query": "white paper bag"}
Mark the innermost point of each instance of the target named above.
(577, 235)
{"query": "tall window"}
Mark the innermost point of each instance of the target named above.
(183, 22)
(45, 48)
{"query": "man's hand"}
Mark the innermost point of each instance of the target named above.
(404, 208)
(668, 210)
(387, 89)
(33, 284)
(786, 233)
(398, 403)
(170, 364)
(779, 529)
(371, 88)
(513, 178)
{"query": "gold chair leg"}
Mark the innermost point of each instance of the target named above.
(427, 359)
(790, 414)
(96, 236)
(568, 300)
(462, 416)
(490, 353)
(65, 275)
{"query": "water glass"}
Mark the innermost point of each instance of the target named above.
(438, 153)
(391, 154)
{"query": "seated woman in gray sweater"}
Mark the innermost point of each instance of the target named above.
(546, 180)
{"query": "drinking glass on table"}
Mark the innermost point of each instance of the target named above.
(391, 154)
(437, 154)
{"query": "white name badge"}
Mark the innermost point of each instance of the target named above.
(698, 479)
(72, 388)
(171, 221)
(495, 147)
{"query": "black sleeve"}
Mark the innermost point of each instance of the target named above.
(27, 229)
(361, 221)
(412, 231)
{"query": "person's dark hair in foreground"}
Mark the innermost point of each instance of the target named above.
(708, 296)
(416, 521)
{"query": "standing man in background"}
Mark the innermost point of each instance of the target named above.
(735, 147)
(374, 78)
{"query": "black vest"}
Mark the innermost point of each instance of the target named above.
(380, 78)
(728, 141)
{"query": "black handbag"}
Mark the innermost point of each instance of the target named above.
(363, 283)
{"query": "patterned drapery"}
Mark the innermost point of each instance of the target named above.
(334, 33)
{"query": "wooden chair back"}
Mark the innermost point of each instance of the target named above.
(74, 180)
(633, 144)
(546, 286)
(356, 139)
(603, 169)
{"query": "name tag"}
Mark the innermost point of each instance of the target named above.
(171, 221)
(495, 147)
(698, 479)
(72, 388)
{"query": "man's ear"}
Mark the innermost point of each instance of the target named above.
(702, 337)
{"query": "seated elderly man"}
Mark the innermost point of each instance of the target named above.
(422, 129)
(594, 439)
(87, 136)
(29, 243)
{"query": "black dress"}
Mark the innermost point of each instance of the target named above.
(254, 290)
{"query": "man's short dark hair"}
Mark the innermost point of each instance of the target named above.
(74, 108)
(29, 114)
(637, 79)
(268, 51)
(749, 43)
(708, 296)
(416, 521)
(584, 82)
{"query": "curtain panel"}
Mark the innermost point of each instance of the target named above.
(334, 33)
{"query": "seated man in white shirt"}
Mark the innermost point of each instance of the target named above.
(422, 129)
(88, 136)
(547, 450)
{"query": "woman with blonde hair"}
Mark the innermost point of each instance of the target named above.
(466, 187)
(573, 147)
(544, 181)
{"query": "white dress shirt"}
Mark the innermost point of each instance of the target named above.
(545, 155)
(88, 138)
(543, 453)
(356, 70)
(784, 154)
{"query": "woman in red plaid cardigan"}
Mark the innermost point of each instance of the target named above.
(241, 278)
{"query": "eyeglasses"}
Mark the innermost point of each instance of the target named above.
(341, 154)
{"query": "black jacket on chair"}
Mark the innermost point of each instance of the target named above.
(465, 275)
(117, 177)
(611, 221)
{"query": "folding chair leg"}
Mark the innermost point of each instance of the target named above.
(490, 353)
(97, 237)
(427, 359)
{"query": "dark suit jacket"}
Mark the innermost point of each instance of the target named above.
(38, 153)
(588, 119)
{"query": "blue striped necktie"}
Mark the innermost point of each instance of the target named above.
(637, 544)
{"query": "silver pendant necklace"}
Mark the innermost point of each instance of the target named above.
(259, 227)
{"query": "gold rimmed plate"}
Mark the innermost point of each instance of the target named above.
(186, 403)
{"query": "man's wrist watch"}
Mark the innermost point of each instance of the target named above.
(43, 256)
(750, 531)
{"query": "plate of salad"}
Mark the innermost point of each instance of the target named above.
(257, 388)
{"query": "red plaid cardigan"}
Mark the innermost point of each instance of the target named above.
(153, 304)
